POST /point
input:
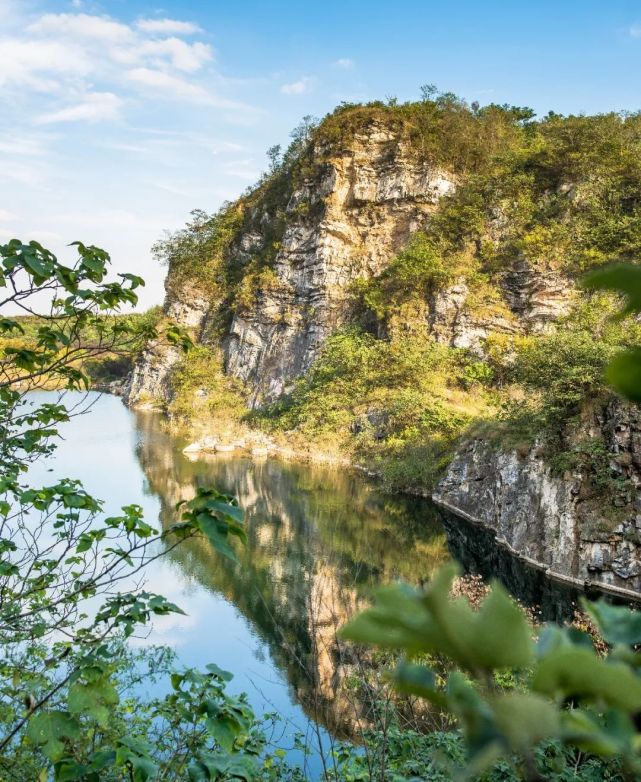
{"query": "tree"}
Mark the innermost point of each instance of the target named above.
(66, 592)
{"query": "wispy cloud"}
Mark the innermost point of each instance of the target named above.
(87, 65)
(94, 107)
(167, 85)
(635, 30)
(345, 63)
(298, 87)
(39, 65)
(168, 26)
(99, 28)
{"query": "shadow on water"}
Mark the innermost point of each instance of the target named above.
(477, 551)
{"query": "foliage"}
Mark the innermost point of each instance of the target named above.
(397, 755)
(624, 371)
(65, 571)
(418, 270)
(402, 400)
(565, 367)
(566, 692)
(99, 363)
(192, 728)
(201, 389)
(196, 254)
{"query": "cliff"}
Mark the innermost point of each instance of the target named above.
(403, 288)
(342, 219)
(338, 215)
(560, 521)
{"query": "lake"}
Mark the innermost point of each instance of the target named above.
(319, 540)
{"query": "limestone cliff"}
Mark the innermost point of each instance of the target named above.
(512, 213)
(342, 218)
(372, 196)
(559, 520)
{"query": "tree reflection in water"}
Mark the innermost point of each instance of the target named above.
(319, 540)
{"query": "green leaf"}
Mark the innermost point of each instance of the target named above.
(226, 509)
(432, 622)
(224, 729)
(48, 729)
(222, 674)
(624, 373)
(94, 699)
(610, 735)
(578, 672)
(525, 719)
(417, 680)
(624, 278)
(617, 624)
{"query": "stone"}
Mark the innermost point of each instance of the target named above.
(550, 517)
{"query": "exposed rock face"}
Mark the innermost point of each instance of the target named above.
(372, 197)
(149, 382)
(451, 322)
(559, 521)
(355, 210)
(537, 296)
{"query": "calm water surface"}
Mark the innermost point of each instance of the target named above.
(319, 540)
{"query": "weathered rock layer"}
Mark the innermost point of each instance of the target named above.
(558, 520)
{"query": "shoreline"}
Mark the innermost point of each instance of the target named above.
(272, 450)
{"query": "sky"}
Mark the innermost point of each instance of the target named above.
(119, 117)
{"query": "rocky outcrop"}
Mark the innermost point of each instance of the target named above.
(353, 207)
(537, 296)
(583, 524)
(452, 322)
(365, 202)
(149, 384)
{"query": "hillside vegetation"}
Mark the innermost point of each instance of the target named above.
(557, 196)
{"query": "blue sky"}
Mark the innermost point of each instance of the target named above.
(119, 117)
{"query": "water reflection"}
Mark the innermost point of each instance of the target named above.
(319, 540)
(477, 551)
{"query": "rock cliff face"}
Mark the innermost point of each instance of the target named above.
(553, 519)
(366, 203)
(346, 220)
(149, 382)
(345, 215)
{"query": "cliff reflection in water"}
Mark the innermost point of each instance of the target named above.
(319, 539)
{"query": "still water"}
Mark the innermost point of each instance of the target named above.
(319, 540)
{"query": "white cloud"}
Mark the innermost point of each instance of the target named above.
(100, 28)
(172, 86)
(178, 88)
(6, 216)
(344, 62)
(23, 173)
(39, 64)
(297, 87)
(181, 55)
(94, 107)
(86, 64)
(26, 146)
(168, 26)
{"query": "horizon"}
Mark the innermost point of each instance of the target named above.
(119, 118)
